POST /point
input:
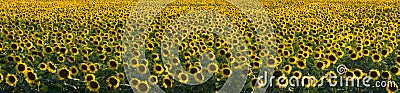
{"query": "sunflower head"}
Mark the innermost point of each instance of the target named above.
(113, 82)
(374, 74)
(90, 77)
(63, 73)
(93, 85)
(11, 79)
(30, 76)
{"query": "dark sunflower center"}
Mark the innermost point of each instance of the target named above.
(113, 81)
(31, 76)
(385, 74)
(376, 57)
(277, 74)
(320, 64)
(226, 71)
(332, 58)
(394, 70)
(64, 73)
(353, 55)
(193, 70)
(89, 78)
(11, 79)
(94, 84)
(296, 74)
(21, 67)
(84, 67)
(73, 70)
(143, 87)
(92, 67)
(357, 73)
(48, 49)
(168, 82)
(158, 68)
(398, 59)
(374, 74)
(113, 64)
(300, 63)
(291, 59)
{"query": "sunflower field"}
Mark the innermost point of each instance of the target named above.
(78, 46)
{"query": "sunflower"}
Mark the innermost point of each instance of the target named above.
(301, 64)
(358, 73)
(93, 86)
(167, 82)
(113, 82)
(153, 79)
(392, 87)
(226, 72)
(74, 70)
(20, 67)
(143, 87)
(193, 69)
(182, 77)
(42, 66)
(51, 67)
(376, 58)
(395, 70)
(292, 60)
(84, 67)
(319, 65)
(30, 77)
(332, 58)
(121, 75)
(282, 82)
(112, 64)
(90, 77)
(212, 68)
(11, 79)
(93, 68)
(158, 69)
(287, 69)
(63, 73)
(297, 74)
(386, 75)
(374, 74)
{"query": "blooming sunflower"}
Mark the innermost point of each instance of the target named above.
(20, 67)
(374, 74)
(30, 77)
(93, 86)
(11, 79)
(63, 73)
(113, 82)
(90, 77)
(112, 64)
